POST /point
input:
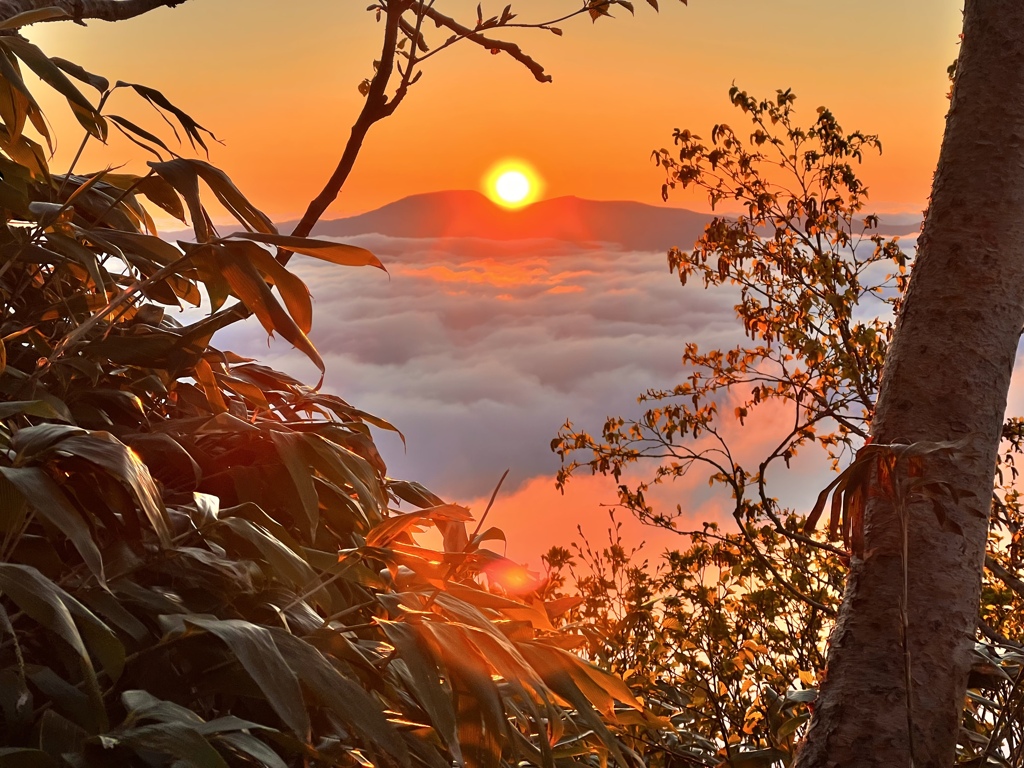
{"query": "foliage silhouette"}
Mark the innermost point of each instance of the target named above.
(735, 619)
(202, 560)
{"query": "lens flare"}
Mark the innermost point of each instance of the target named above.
(514, 578)
(512, 184)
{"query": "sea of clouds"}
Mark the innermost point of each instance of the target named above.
(479, 350)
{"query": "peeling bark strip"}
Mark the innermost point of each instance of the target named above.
(81, 10)
(946, 378)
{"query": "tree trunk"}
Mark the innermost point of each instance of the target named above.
(946, 378)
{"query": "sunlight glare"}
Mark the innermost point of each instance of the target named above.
(512, 184)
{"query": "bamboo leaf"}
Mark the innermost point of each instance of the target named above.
(392, 527)
(106, 451)
(292, 289)
(78, 72)
(177, 740)
(47, 604)
(40, 490)
(342, 696)
(249, 286)
(193, 130)
(255, 650)
(50, 73)
(291, 448)
(325, 250)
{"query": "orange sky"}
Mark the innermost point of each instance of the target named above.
(277, 82)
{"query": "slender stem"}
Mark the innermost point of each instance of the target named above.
(375, 108)
(81, 147)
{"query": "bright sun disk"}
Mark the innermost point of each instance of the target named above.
(512, 184)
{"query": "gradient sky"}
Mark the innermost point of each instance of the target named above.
(479, 351)
(277, 82)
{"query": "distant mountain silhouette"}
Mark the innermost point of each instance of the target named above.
(458, 214)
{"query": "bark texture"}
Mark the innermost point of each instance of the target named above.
(946, 378)
(80, 10)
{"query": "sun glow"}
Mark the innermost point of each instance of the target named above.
(512, 184)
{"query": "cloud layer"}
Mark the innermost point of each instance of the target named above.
(479, 350)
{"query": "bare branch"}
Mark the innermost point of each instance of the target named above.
(80, 10)
(490, 43)
(1004, 575)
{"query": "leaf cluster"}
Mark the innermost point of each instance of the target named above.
(203, 562)
(818, 287)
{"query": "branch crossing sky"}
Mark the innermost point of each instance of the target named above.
(480, 350)
(278, 82)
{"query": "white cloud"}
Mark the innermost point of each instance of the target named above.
(480, 350)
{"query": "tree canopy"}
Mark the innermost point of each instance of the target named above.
(738, 622)
(203, 561)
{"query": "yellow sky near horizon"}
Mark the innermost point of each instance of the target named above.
(278, 83)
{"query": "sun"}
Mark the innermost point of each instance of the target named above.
(512, 187)
(512, 184)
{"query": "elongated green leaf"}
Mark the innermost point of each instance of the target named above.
(40, 490)
(414, 493)
(347, 468)
(29, 442)
(183, 178)
(255, 650)
(142, 133)
(387, 530)
(11, 73)
(40, 599)
(114, 610)
(556, 672)
(283, 562)
(77, 706)
(142, 705)
(174, 740)
(59, 736)
(507, 661)
(424, 677)
(40, 408)
(248, 744)
(51, 74)
(193, 130)
(340, 695)
(78, 72)
(325, 250)
(232, 199)
(291, 448)
(608, 684)
(480, 715)
(159, 251)
(153, 187)
(106, 451)
(292, 289)
(48, 605)
(249, 286)
(230, 723)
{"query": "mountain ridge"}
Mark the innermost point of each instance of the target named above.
(469, 214)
